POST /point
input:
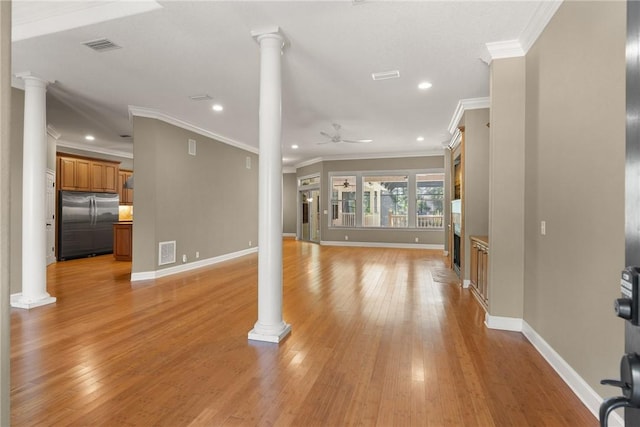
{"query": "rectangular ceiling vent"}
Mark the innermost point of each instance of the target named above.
(167, 252)
(386, 75)
(203, 97)
(101, 45)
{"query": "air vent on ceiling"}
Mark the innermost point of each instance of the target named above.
(101, 45)
(203, 97)
(167, 252)
(384, 75)
(125, 136)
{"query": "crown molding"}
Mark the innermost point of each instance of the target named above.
(436, 152)
(153, 114)
(538, 22)
(517, 48)
(52, 132)
(289, 169)
(505, 49)
(91, 149)
(455, 140)
(463, 105)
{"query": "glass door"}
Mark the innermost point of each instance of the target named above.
(310, 215)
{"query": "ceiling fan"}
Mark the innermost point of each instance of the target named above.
(345, 184)
(335, 137)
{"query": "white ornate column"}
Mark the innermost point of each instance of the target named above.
(270, 327)
(34, 164)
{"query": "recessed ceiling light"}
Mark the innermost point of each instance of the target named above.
(420, 138)
(365, 140)
(217, 107)
(89, 137)
(294, 146)
(424, 85)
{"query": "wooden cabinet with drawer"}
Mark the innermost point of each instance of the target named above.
(479, 276)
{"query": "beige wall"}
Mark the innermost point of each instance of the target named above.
(5, 213)
(476, 179)
(406, 236)
(206, 203)
(289, 204)
(16, 136)
(506, 179)
(574, 175)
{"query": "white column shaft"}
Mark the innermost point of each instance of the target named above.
(34, 163)
(270, 326)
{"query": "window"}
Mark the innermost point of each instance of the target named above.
(430, 200)
(343, 201)
(391, 207)
(409, 199)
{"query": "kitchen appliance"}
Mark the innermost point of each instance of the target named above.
(85, 226)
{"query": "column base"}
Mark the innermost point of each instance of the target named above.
(19, 301)
(275, 337)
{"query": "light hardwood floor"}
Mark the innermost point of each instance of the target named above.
(380, 337)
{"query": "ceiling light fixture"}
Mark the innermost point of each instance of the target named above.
(420, 138)
(203, 97)
(217, 107)
(424, 85)
(89, 137)
(365, 140)
(384, 75)
(294, 146)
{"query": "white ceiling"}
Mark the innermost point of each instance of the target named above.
(174, 49)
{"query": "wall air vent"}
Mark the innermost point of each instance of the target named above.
(203, 97)
(101, 45)
(167, 252)
(384, 75)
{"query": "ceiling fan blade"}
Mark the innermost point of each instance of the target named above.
(326, 134)
(351, 141)
(323, 142)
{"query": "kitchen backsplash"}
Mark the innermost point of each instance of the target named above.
(125, 213)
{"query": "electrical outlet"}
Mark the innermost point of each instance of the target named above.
(543, 228)
(249, 243)
(417, 240)
(184, 257)
(346, 237)
(197, 254)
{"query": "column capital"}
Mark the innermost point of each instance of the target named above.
(28, 76)
(271, 32)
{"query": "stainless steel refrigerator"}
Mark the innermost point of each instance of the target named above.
(85, 226)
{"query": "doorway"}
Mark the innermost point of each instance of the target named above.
(310, 215)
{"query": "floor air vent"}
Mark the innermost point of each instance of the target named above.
(167, 253)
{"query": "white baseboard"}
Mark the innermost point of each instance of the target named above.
(579, 386)
(445, 253)
(466, 283)
(503, 323)
(289, 235)
(381, 245)
(150, 275)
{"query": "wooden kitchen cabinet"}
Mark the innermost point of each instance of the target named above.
(123, 241)
(126, 194)
(83, 174)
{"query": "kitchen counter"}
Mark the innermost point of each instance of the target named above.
(123, 240)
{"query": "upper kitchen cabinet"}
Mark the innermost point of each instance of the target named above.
(83, 174)
(126, 194)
